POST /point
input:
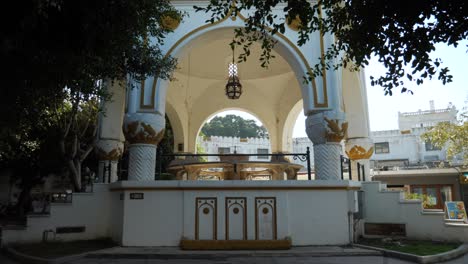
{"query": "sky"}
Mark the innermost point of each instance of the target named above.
(383, 110)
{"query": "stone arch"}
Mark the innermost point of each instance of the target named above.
(288, 125)
(284, 47)
(192, 148)
(178, 130)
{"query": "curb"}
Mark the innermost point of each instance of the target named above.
(28, 259)
(441, 257)
(222, 256)
(215, 255)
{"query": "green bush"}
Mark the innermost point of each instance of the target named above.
(426, 199)
(165, 177)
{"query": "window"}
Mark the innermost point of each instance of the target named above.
(430, 146)
(262, 151)
(437, 195)
(224, 150)
(381, 148)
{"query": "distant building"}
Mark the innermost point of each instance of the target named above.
(403, 160)
(404, 147)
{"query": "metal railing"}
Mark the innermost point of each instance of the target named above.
(296, 156)
(346, 165)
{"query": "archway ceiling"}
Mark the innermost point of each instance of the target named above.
(202, 70)
(198, 88)
(209, 59)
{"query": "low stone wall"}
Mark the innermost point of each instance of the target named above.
(390, 207)
(163, 213)
(87, 217)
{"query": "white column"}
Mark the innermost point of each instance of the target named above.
(143, 131)
(326, 130)
(109, 147)
(108, 152)
(142, 162)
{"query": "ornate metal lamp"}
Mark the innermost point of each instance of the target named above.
(233, 86)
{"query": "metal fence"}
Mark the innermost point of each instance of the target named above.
(346, 166)
(295, 156)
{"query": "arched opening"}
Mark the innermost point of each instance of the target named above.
(198, 89)
(233, 131)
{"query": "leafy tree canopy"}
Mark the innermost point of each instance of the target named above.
(233, 126)
(55, 55)
(52, 44)
(452, 135)
(400, 33)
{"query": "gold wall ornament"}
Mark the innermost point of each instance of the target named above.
(170, 20)
(114, 154)
(141, 133)
(463, 179)
(294, 23)
(359, 153)
(335, 132)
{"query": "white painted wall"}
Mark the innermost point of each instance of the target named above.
(304, 210)
(382, 206)
(91, 210)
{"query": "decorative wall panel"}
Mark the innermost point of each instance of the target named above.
(265, 218)
(236, 218)
(205, 218)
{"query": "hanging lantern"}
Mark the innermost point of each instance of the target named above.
(233, 86)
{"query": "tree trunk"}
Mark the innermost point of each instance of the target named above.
(75, 174)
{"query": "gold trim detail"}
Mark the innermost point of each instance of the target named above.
(201, 202)
(294, 23)
(359, 153)
(114, 154)
(271, 202)
(241, 202)
(335, 132)
(235, 244)
(169, 21)
(322, 60)
(463, 179)
(142, 97)
(138, 132)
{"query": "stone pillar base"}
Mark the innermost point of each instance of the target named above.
(109, 151)
(108, 171)
(327, 161)
(142, 162)
(326, 130)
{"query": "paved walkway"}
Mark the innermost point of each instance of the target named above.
(175, 252)
(300, 255)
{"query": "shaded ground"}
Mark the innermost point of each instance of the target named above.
(259, 260)
(62, 249)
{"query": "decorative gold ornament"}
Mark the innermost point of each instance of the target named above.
(294, 23)
(170, 21)
(359, 153)
(463, 179)
(206, 210)
(141, 133)
(114, 154)
(335, 132)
